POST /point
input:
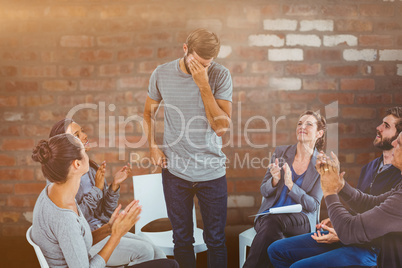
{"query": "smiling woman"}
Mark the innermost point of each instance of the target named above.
(294, 182)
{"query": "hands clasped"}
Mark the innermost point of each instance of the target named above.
(329, 167)
(275, 170)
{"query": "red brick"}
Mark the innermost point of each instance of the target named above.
(7, 188)
(237, 67)
(21, 201)
(298, 96)
(376, 40)
(341, 70)
(399, 41)
(168, 52)
(303, 69)
(14, 230)
(355, 143)
(398, 97)
(379, 10)
(77, 41)
(16, 174)
(358, 113)
(364, 158)
(20, 56)
(321, 84)
(37, 101)
(265, 67)
(41, 131)
(10, 131)
(374, 98)
(115, 41)
(357, 84)
(29, 188)
(8, 101)
(8, 71)
(116, 69)
(342, 98)
(353, 26)
(300, 10)
(76, 71)
(154, 38)
(17, 144)
(39, 71)
(335, 10)
(323, 55)
(251, 53)
(59, 85)
(98, 85)
(6, 160)
(378, 70)
(147, 67)
(67, 12)
(135, 53)
(96, 55)
(388, 26)
(21, 86)
(250, 81)
(66, 55)
(349, 128)
(247, 185)
(270, 9)
(113, 11)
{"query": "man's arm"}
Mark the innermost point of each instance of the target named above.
(218, 112)
(157, 156)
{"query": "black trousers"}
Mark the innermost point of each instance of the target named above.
(160, 263)
(270, 228)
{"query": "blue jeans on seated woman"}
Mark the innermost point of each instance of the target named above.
(304, 251)
(212, 198)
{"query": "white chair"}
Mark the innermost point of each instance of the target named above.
(39, 254)
(38, 251)
(148, 190)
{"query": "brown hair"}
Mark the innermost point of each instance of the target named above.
(321, 125)
(60, 128)
(397, 112)
(205, 43)
(56, 156)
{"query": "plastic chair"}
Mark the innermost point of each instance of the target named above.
(41, 257)
(38, 251)
(148, 190)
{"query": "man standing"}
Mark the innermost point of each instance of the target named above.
(197, 95)
(377, 177)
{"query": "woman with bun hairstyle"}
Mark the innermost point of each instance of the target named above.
(59, 227)
(291, 178)
(97, 200)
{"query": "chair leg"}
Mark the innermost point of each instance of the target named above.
(242, 255)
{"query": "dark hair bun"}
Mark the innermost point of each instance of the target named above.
(42, 152)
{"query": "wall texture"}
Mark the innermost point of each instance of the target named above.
(93, 59)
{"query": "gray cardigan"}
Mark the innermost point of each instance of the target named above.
(309, 195)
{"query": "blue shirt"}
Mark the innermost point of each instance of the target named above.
(284, 198)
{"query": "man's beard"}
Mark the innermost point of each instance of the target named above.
(185, 64)
(386, 143)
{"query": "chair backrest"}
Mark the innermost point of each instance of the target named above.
(38, 251)
(148, 189)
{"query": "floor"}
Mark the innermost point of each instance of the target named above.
(16, 252)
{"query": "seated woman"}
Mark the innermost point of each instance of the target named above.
(59, 227)
(97, 201)
(296, 182)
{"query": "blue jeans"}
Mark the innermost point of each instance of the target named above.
(304, 251)
(212, 198)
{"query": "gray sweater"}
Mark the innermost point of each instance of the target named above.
(379, 221)
(63, 236)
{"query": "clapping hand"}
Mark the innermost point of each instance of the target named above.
(331, 180)
(121, 176)
(100, 176)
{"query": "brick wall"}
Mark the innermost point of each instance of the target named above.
(284, 56)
